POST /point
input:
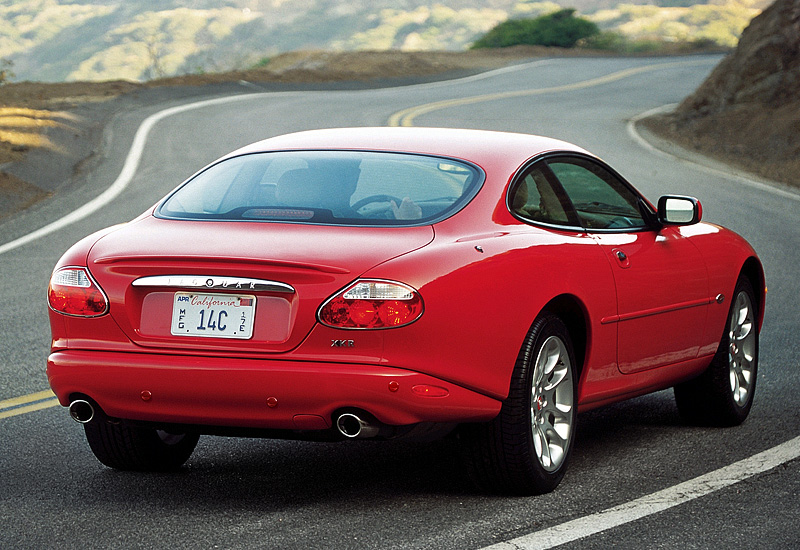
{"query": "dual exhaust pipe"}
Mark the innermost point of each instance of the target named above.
(349, 425)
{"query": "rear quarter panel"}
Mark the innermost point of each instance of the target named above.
(77, 255)
(483, 292)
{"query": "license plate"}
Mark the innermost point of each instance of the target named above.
(213, 315)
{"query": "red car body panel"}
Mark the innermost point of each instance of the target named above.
(647, 321)
(250, 393)
(281, 252)
(662, 298)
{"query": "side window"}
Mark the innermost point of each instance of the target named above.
(601, 200)
(537, 198)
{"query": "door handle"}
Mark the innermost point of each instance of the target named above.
(622, 258)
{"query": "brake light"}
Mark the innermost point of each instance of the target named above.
(72, 291)
(372, 305)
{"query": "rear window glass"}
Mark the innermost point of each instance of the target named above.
(328, 187)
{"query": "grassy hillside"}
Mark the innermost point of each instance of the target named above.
(721, 23)
(57, 40)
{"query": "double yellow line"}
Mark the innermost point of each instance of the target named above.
(27, 403)
(406, 116)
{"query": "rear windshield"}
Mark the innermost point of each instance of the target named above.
(328, 187)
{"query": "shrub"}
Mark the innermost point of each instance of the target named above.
(560, 29)
(607, 41)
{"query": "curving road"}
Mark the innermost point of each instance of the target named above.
(638, 477)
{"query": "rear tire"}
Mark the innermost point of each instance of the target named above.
(125, 447)
(525, 449)
(723, 394)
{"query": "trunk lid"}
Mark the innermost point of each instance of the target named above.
(151, 267)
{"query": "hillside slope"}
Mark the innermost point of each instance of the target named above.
(748, 110)
(73, 40)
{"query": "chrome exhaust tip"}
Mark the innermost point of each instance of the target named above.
(81, 411)
(352, 426)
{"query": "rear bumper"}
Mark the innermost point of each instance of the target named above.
(255, 393)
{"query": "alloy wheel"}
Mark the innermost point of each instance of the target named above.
(552, 401)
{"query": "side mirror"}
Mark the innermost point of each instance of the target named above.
(678, 210)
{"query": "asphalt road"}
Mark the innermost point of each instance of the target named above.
(240, 493)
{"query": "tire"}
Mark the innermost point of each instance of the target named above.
(125, 447)
(723, 394)
(525, 449)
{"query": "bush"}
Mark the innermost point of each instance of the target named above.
(560, 29)
(606, 41)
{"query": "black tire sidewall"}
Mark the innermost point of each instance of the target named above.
(515, 414)
(125, 447)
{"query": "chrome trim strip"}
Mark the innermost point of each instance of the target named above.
(213, 282)
(656, 311)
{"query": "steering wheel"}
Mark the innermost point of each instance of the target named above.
(619, 222)
(359, 204)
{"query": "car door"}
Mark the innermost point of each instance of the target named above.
(660, 276)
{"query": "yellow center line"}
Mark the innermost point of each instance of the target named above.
(406, 116)
(27, 403)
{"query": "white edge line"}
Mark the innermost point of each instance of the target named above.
(125, 176)
(748, 181)
(140, 138)
(687, 491)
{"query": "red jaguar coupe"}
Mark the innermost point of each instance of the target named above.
(398, 282)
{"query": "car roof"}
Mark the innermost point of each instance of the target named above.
(479, 146)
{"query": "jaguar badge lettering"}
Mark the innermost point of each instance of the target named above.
(343, 344)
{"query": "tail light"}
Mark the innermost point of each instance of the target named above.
(372, 305)
(72, 291)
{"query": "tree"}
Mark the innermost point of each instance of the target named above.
(560, 29)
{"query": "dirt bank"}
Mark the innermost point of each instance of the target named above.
(747, 113)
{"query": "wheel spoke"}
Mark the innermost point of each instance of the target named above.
(557, 453)
(553, 434)
(736, 387)
(743, 331)
(542, 448)
(562, 428)
(548, 361)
